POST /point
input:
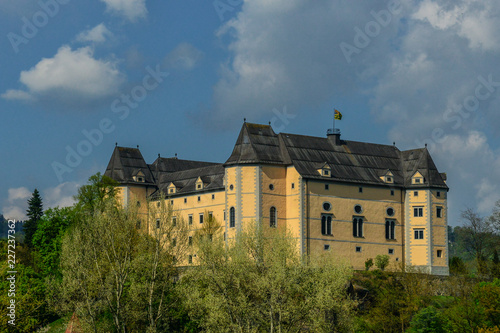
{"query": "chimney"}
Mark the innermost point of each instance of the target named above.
(333, 135)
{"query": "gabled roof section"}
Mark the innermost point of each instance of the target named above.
(419, 160)
(350, 161)
(185, 181)
(256, 144)
(125, 163)
(173, 164)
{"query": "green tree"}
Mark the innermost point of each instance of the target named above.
(97, 264)
(457, 266)
(96, 195)
(382, 261)
(154, 266)
(479, 237)
(368, 264)
(47, 240)
(428, 320)
(259, 282)
(31, 309)
(34, 212)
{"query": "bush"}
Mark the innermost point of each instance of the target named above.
(428, 320)
(382, 261)
(368, 264)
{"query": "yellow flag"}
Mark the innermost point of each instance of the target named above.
(338, 115)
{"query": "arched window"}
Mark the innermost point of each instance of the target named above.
(272, 218)
(357, 227)
(232, 218)
(326, 224)
(389, 229)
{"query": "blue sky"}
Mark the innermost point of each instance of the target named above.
(180, 76)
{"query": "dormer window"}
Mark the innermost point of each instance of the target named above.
(139, 177)
(417, 178)
(387, 177)
(199, 184)
(172, 188)
(325, 170)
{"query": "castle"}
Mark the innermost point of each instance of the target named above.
(352, 199)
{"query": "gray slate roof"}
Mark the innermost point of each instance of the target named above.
(349, 161)
(125, 163)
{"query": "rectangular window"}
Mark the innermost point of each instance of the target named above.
(185, 200)
(358, 248)
(439, 212)
(360, 190)
(157, 223)
(390, 226)
(201, 217)
(158, 204)
(326, 224)
(190, 219)
(417, 180)
(419, 233)
(190, 240)
(293, 186)
(171, 202)
(174, 242)
(225, 218)
(438, 194)
(415, 193)
(327, 247)
(213, 196)
(210, 216)
(391, 251)
(190, 259)
(439, 253)
(418, 211)
(392, 192)
(327, 187)
(199, 198)
(357, 226)
(174, 221)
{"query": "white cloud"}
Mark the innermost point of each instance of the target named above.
(61, 195)
(185, 56)
(288, 53)
(20, 193)
(14, 213)
(131, 9)
(17, 202)
(473, 20)
(98, 34)
(417, 72)
(69, 76)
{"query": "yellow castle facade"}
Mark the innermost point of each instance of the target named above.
(349, 199)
